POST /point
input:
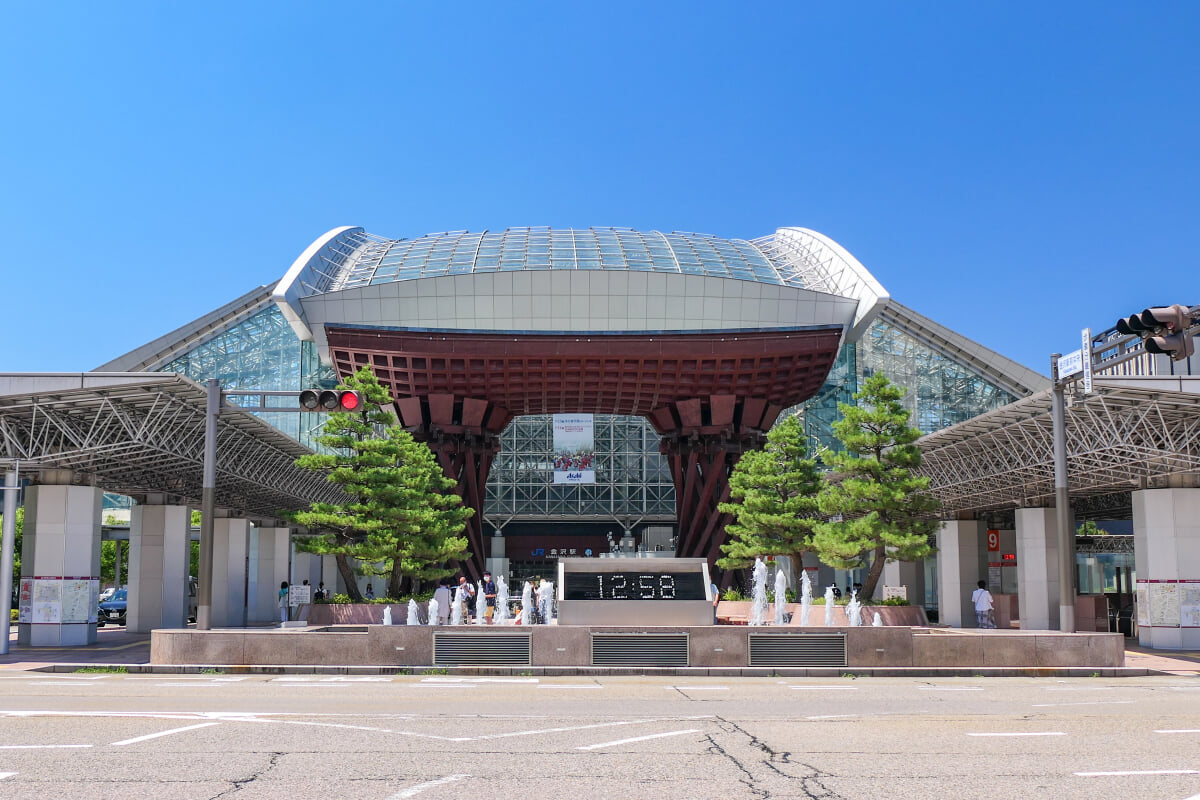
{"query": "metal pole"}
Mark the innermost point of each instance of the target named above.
(7, 544)
(208, 508)
(1062, 505)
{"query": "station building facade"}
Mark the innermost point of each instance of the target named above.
(802, 323)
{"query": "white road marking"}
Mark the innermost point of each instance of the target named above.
(1182, 730)
(555, 730)
(163, 733)
(570, 686)
(1080, 688)
(314, 683)
(827, 688)
(699, 688)
(79, 677)
(4, 775)
(38, 746)
(479, 680)
(413, 791)
(950, 688)
(835, 716)
(1031, 733)
(1088, 703)
(446, 685)
(1140, 772)
(637, 739)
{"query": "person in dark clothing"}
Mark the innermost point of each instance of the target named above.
(489, 594)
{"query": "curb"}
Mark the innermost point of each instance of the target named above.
(598, 672)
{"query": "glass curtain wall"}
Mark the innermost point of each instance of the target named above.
(262, 352)
(632, 477)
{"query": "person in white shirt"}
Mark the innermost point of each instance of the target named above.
(983, 606)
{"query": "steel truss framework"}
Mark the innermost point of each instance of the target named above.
(144, 433)
(1128, 434)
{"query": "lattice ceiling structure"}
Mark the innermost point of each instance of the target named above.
(1131, 433)
(140, 433)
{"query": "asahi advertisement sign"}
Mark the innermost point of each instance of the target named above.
(574, 449)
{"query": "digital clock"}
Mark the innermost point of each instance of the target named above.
(641, 585)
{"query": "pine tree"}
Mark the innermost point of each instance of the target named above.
(876, 507)
(774, 501)
(401, 509)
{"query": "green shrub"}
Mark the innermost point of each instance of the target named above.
(893, 601)
(731, 594)
(340, 598)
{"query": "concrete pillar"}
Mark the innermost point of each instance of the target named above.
(1037, 568)
(231, 542)
(158, 567)
(909, 574)
(61, 549)
(1166, 545)
(274, 549)
(959, 545)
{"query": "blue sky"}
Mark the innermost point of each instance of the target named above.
(1015, 170)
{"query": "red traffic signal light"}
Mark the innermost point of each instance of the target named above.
(330, 400)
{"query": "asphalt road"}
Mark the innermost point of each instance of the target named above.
(436, 736)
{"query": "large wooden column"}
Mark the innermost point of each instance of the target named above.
(464, 435)
(703, 439)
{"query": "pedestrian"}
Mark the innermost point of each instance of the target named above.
(442, 595)
(283, 602)
(489, 595)
(716, 601)
(467, 593)
(320, 595)
(982, 599)
(370, 592)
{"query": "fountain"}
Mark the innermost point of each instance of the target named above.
(878, 622)
(433, 611)
(758, 599)
(527, 604)
(414, 613)
(500, 617)
(387, 615)
(829, 603)
(805, 596)
(780, 594)
(854, 611)
(480, 605)
(456, 607)
(545, 595)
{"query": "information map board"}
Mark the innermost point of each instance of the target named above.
(1168, 603)
(58, 601)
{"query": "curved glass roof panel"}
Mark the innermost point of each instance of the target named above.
(375, 260)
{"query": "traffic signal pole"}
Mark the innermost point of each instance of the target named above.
(340, 400)
(1062, 503)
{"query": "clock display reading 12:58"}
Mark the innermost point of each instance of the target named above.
(633, 586)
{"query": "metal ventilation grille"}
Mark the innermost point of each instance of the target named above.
(480, 648)
(640, 649)
(801, 650)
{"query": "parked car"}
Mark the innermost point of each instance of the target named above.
(112, 610)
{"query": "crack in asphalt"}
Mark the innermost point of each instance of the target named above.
(778, 765)
(238, 783)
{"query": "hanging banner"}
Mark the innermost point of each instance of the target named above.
(574, 449)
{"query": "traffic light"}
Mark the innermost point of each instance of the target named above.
(1164, 329)
(331, 400)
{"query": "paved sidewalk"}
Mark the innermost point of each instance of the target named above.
(117, 647)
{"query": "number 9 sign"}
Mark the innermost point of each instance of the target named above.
(993, 541)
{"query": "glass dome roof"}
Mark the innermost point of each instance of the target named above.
(367, 259)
